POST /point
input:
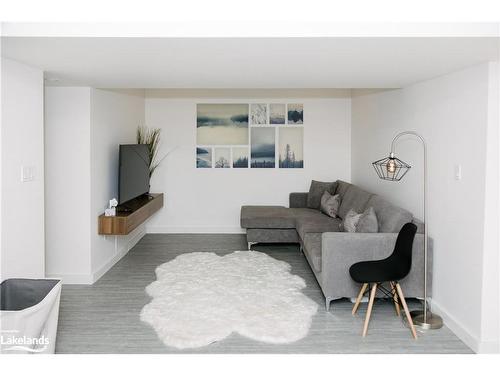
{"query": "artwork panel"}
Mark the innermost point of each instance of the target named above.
(222, 124)
(258, 114)
(291, 147)
(240, 157)
(277, 114)
(203, 157)
(295, 114)
(262, 148)
(222, 157)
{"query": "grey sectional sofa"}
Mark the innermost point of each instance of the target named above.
(331, 252)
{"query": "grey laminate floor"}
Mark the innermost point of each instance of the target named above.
(104, 317)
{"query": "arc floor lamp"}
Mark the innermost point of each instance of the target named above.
(393, 169)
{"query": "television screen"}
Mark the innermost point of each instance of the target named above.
(133, 172)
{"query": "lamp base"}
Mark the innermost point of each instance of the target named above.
(433, 321)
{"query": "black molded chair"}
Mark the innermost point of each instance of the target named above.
(391, 269)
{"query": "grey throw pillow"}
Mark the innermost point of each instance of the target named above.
(365, 222)
(350, 221)
(330, 204)
(316, 192)
(368, 222)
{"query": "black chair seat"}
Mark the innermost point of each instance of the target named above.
(376, 271)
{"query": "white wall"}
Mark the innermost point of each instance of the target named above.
(115, 118)
(490, 329)
(84, 129)
(22, 242)
(67, 181)
(451, 112)
(209, 200)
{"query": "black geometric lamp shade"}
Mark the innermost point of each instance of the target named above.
(391, 168)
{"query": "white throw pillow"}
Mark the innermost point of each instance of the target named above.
(330, 204)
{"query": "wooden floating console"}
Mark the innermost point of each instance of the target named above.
(137, 212)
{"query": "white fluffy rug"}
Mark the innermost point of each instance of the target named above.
(200, 298)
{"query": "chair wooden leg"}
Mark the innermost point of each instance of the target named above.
(358, 300)
(407, 312)
(395, 298)
(370, 306)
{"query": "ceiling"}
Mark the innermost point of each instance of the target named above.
(315, 62)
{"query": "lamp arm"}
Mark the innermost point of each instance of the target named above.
(424, 144)
(409, 132)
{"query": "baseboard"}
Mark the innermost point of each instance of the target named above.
(89, 279)
(462, 333)
(120, 254)
(489, 347)
(195, 229)
(78, 279)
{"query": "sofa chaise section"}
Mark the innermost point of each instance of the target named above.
(275, 224)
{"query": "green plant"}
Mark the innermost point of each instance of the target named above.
(151, 138)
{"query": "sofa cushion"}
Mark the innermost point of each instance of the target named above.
(297, 200)
(316, 192)
(312, 247)
(390, 217)
(316, 224)
(304, 212)
(267, 217)
(353, 199)
(342, 187)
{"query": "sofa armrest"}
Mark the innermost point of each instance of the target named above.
(298, 200)
(341, 250)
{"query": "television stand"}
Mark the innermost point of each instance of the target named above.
(123, 209)
(130, 216)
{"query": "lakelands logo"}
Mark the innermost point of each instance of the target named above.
(9, 341)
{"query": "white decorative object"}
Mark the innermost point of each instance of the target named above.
(111, 210)
(113, 203)
(200, 298)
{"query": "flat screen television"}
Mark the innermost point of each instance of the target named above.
(133, 172)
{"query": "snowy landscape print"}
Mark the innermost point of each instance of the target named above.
(240, 157)
(222, 157)
(258, 114)
(262, 148)
(203, 157)
(277, 114)
(291, 147)
(222, 124)
(295, 114)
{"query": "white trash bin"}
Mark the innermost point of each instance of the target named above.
(28, 315)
